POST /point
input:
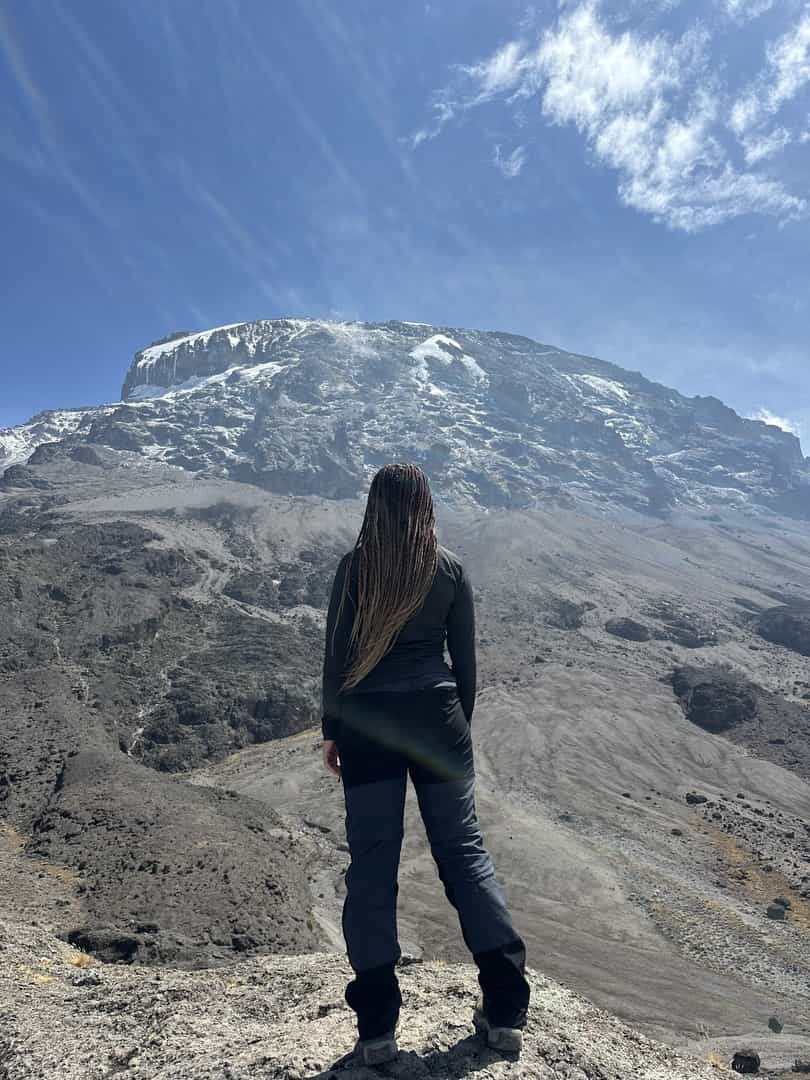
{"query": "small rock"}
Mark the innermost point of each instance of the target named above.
(407, 959)
(746, 1061)
(775, 1024)
(782, 902)
(628, 629)
(122, 1056)
(776, 911)
(85, 978)
(677, 832)
(693, 799)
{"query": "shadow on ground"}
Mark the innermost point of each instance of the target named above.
(464, 1058)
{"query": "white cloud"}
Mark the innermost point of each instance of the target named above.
(649, 110)
(502, 71)
(590, 74)
(511, 164)
(786, 71)
(650, 107)
(744, 10)
(760, 146)
(777, 421)
(507, 69)
(443, 113)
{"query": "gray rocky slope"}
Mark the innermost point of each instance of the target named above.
(162, 799)
(310, 407)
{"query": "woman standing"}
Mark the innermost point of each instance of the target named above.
(392, 707)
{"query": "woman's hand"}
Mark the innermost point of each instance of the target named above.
(330, 756)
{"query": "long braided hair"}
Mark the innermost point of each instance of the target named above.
(396, 555)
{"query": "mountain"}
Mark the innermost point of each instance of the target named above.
(308, 407)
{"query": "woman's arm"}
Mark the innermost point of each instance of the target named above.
(334, 661)
(461, 642)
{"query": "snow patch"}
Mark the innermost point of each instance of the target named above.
(145, 392)
(446, 351)
(148, 392)
(17, 444)
(606, 387)
(150, 356)
(270, 368)
(632, 432)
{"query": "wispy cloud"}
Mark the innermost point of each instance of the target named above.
(504, 70)
(243, 245)
(240, 46)
(745, 10)
(649, 107)
(52, 157)
(444, 110)
(786, 72)
(19, 68)
(759, 146)
(371, 81)
(510, 164)
(782, 422)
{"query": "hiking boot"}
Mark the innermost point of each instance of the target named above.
(507, 1040)
(376, 1051)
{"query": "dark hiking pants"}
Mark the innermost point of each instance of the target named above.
(383, 736)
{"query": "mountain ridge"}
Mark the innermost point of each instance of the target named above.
(308, 406)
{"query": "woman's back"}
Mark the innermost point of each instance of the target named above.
(416, 659)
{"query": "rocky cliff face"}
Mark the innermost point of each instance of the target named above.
(303, 406)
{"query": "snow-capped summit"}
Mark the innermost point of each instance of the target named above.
(308, 406)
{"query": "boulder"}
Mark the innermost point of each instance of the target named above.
(88, 455)
(20, 476)
(746, 1061)
(628, 629)
(787, 625)
(111, 946)
(714, 698)
(567, 615)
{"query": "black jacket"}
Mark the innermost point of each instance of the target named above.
(416, 659)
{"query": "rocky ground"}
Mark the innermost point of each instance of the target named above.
(284, 1018)
(64, 1014)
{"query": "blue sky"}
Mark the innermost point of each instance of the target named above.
(625, 178)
